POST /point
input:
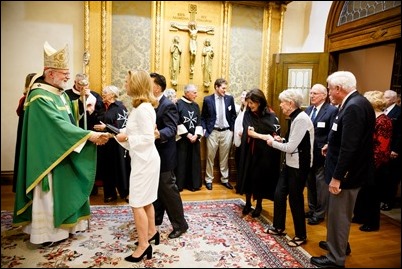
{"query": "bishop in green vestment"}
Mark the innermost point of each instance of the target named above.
(57, 164)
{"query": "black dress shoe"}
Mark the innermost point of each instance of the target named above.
(386, 207)
(324, 245)
(309, 214)
(209, 186)
(324, 262)
(368, 228)
(314, 220)
(227, 185)
(176, 233)
(109, 199)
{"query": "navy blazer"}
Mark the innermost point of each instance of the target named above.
(322, 125)
(167, 118)
(208, 113)
(350, 155)
(394, 114)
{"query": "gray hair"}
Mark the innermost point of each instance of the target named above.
(189, 87)
(170, 94)
(321, 88)
(391, 93)
(293, 95)
(345, 79)
(81, 79)
(113, 89)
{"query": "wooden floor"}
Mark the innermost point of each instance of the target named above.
(381, 249)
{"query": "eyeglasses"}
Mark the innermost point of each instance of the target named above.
(66, 74)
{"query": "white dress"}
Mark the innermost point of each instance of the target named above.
(145, 160)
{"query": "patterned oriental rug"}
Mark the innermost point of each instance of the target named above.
(219, 236)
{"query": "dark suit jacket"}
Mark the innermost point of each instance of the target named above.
(208, 113)
(350, 156)
(322, 125)
(167, 118)
(394, 114)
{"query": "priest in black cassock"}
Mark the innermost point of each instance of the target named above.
(189, 133)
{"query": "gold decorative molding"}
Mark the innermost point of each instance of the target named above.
(266, 48)
(103, 43)
(158, 8)
(86, 38)
(227, 11)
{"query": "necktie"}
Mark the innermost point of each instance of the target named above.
(221, 106)
(314, 114)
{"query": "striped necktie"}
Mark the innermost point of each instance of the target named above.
(314, 114)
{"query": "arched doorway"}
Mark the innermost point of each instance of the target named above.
(358, 25)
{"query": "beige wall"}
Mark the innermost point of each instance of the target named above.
(25, 26)
(372, 72)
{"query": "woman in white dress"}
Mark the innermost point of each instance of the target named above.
(138, 137)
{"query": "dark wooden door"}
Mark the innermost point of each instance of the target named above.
(296, 70)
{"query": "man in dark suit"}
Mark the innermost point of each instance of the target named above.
(218, 116)
(169, 198)
(349, 163)
(322, 114)
(391, 183)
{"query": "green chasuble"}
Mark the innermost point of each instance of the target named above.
(48, 140)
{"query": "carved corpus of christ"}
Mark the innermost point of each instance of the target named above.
(192, 30)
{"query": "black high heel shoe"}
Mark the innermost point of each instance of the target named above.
(156, 237)
(147, 252)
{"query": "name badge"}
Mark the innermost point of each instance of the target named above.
(335, 127)
(321, 124)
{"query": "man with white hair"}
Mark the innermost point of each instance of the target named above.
(57, 164)
(391, 182)
(349, 164)
(322, 114)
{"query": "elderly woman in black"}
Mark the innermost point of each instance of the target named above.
(259, 164)
(114, 159)
(298, 146)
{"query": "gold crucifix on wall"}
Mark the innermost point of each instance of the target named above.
(193, 30)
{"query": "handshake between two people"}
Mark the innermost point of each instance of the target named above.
(99, 138)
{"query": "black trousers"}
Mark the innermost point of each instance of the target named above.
(291, 183)
(169, 200)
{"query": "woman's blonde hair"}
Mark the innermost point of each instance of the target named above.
(140, 88)
(376, 99)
